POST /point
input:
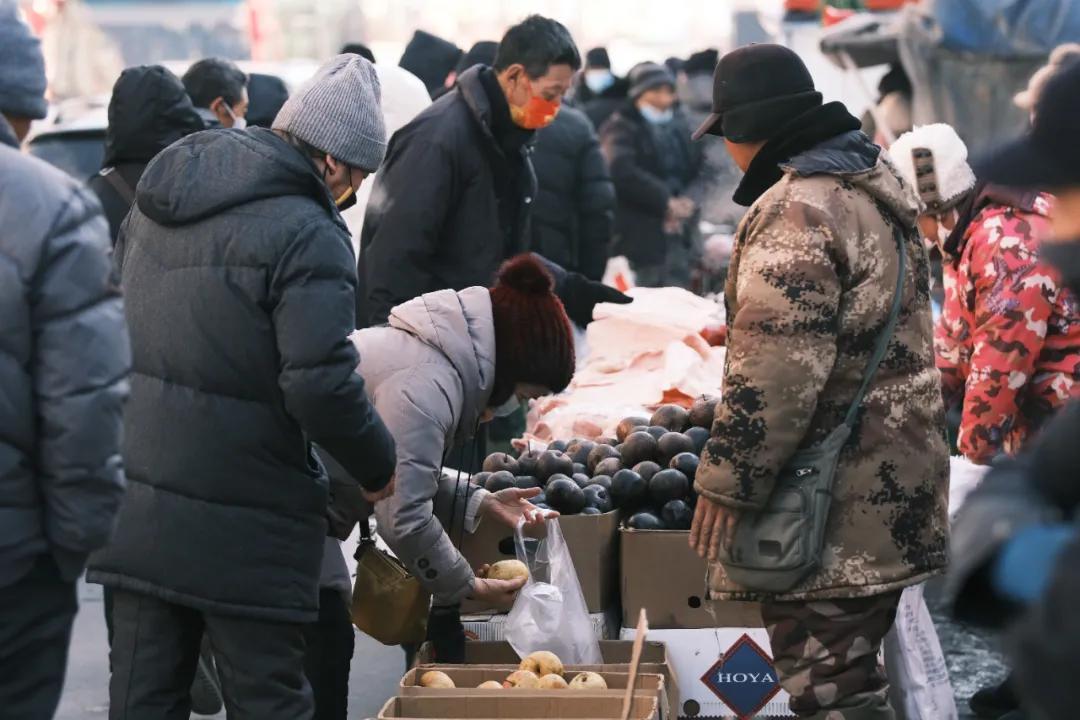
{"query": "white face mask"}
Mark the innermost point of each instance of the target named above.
(656, 116)
(507, 408)
(599, 80)
(238, 123)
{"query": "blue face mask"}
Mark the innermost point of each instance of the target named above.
(507, 408)
(599, 80)
(655, 116)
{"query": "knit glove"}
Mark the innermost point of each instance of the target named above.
(580, 295)
(446, 634)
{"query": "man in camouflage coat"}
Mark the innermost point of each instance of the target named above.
(808, 293)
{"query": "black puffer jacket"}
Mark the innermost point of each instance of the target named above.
(64, 357)
(238, 273)
(643, 190)
(149, 110)
(433, 221)
(599, 106)
(575, 202)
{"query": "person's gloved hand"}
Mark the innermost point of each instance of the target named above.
(580, 295)
(446, 634)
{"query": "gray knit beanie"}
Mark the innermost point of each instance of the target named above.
(339, 112)
(22, 67)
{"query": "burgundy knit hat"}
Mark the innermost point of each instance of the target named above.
(533, 339)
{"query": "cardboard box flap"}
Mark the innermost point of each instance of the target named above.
(497, 707)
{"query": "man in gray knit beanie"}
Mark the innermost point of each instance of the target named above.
(337, 114)
(240, 274)
(22, 82)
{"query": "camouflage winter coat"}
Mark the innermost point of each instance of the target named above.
(808, 291)
(1008, 342)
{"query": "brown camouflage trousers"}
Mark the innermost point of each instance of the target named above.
(826, 655)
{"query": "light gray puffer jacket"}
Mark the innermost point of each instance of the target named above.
(430, 375)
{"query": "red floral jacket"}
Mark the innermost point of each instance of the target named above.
(1008, 340)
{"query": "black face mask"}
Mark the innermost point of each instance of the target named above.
(1065, 256)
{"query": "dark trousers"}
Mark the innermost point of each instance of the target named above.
(37, 612)
(156, 647)
(826, 655)
(328, 658)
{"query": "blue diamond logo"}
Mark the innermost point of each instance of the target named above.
(744, 678)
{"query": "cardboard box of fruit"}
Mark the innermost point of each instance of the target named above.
(646, 473)
(615, 653)
(509, 706)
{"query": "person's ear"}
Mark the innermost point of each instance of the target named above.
(217, 106)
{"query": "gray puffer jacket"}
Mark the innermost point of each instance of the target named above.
(430, 375)
(64, 360)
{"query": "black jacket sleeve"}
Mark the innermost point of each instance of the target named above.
(315, 281)
(596, 208)
(633, 185)
(410, 201)
(82, 357)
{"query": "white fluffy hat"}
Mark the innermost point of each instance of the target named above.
(933, 160)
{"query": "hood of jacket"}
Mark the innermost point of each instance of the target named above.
(460, 326)
(858, 161)
(149, 110)
(430, 58)
(210, 172)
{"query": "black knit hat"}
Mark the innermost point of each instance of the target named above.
(598, 58)
(534, 342)
(757, 89)
(646, 76)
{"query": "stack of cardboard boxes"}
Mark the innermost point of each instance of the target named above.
(718, 650)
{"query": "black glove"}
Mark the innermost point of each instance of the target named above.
(446, 634)
(580, 295)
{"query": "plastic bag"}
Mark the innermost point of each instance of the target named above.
(918, 676)
(964, 476)
(550, 611)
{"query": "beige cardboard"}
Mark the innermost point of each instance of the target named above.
(594, 547)
(663, 575)
(496, 706)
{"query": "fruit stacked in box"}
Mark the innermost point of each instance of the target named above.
(647, 470)
(538, 671)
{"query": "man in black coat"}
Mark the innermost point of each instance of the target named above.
(575, 200)
(148, 111)
(238, 272)
(218, 88)
(1015, 556)
(452, 200)
(64, 360)
(652, 161)
(598, 92)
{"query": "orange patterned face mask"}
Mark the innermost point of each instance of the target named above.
(536, 113)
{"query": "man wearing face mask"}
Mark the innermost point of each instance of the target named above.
(647, 146)
(1023, 573)
(1008, 341)
(219, 91)
(238, 271)
(453, 199)
(598, 92)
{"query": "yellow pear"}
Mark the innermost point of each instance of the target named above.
(436, 679)
(543, 663)
(508, 570)
(553, 682)
(490, 685)
(522, 680)
(588, 681)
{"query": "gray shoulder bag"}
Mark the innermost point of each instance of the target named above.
(777, 547)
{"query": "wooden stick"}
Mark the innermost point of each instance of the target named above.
(635, 660)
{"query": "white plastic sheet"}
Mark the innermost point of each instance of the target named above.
(915, 663)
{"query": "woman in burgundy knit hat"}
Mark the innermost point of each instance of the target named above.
(447, 362)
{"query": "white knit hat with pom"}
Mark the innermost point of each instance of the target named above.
(933, 160)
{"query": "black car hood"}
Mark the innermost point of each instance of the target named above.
(149, 111)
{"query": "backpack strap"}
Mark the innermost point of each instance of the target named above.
(119, 184)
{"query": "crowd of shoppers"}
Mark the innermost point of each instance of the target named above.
(203, 412)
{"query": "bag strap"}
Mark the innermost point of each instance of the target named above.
(881, 346)
(121, 186)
